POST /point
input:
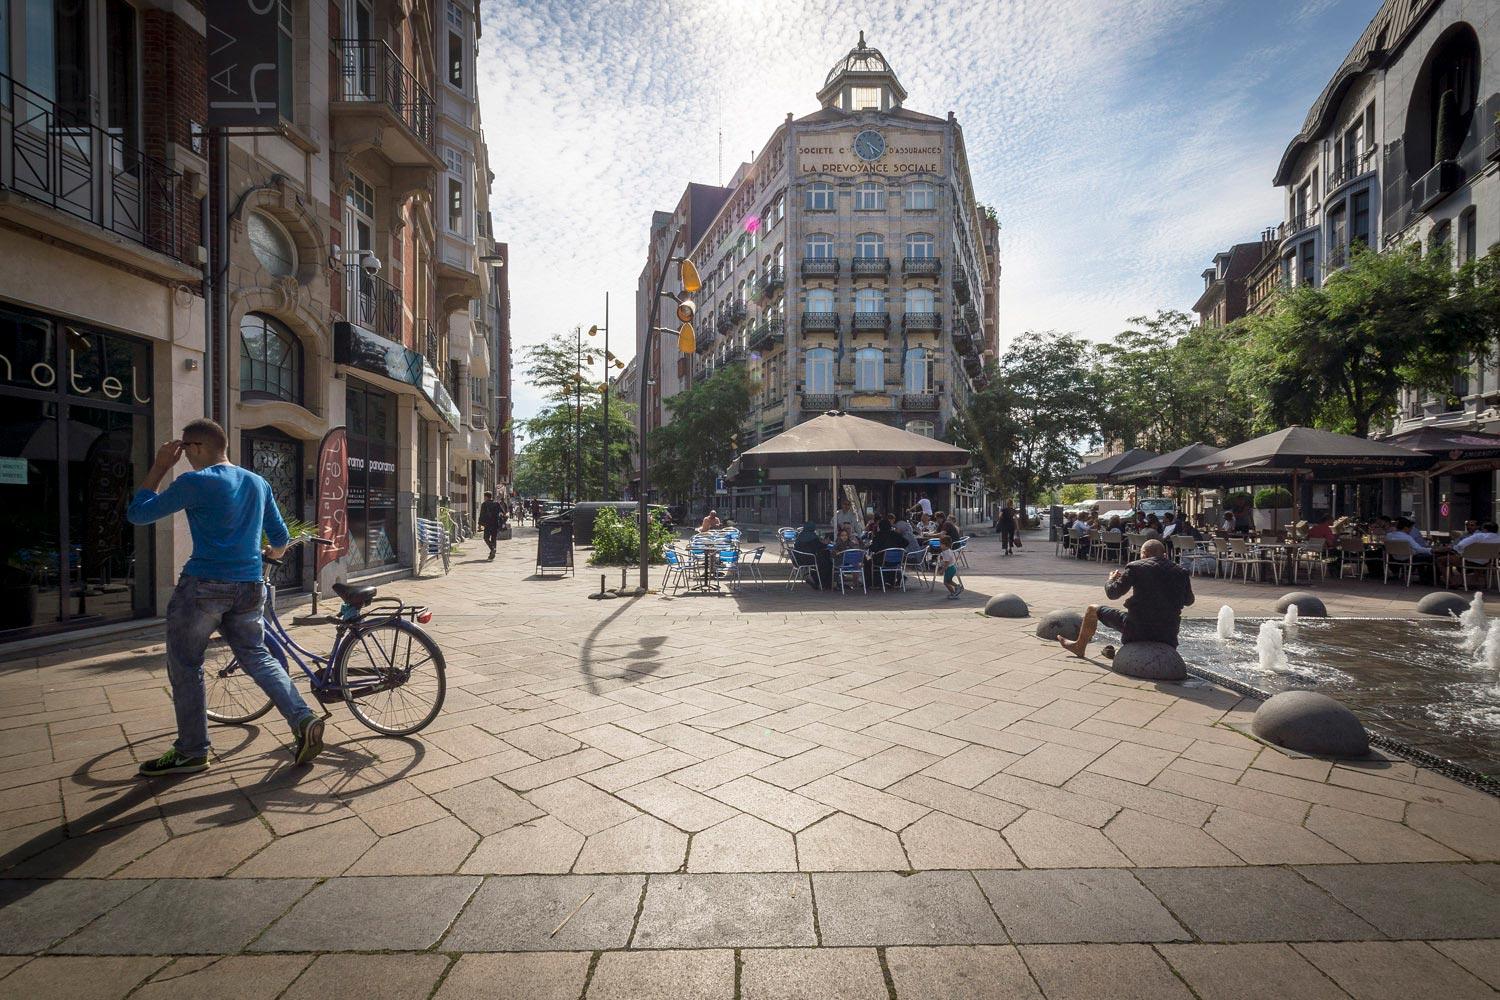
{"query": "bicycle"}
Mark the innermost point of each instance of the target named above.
(382, 663)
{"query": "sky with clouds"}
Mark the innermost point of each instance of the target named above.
(1122, 142)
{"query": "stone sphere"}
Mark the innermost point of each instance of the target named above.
(1150, 661)
(1313, 723)
(1444, 603)
(1308, 605)
(1059, 625)
(1006, 606)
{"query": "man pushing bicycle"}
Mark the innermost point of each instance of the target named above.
(228, 509)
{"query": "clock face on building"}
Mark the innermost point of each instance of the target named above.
(869, 145)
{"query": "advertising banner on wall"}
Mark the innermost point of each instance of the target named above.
(333, 497)
(244, 71)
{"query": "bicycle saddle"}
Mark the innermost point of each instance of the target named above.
(356, 597)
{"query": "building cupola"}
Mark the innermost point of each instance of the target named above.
(862, 81)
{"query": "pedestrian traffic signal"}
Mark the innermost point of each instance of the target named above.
(688, 274)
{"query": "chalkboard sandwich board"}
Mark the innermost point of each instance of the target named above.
(554, 546)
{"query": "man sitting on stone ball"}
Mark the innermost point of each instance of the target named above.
(1153, 613)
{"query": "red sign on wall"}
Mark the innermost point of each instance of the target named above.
(333, 497)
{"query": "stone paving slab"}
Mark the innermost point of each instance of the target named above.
(1414, 901)
(371, 914)
(1253, 904)
(726, 911)
(188, 916)
(888, 908)
(34, 914)
(521, 913)
(1090, 905)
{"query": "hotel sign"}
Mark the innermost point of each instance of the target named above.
(244, 66)
(835, 153)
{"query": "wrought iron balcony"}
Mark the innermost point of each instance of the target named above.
(432, 349)
(372, 76)
(820, 267)
(973, 365)
(820, 400)
(772, 279)
(767, 331)
(737, 312)
(971, 317)
(961, 286)
(59, 160)
(919, 401)
(820, 321)
(1351, 167)
(921, 267)
(372, 302)
(923, 321)
(872, 321)
(963, 338)
(867, 266)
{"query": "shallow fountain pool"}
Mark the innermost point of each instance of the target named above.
(1412, 680)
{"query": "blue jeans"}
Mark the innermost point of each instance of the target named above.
(197, 608)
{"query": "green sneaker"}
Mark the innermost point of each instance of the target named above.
(309, 739)
(173, 762)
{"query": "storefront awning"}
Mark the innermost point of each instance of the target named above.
(359, 348)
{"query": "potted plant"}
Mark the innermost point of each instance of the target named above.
(1273, 508)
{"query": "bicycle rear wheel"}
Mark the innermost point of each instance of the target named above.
(231, 695)
(393, 678)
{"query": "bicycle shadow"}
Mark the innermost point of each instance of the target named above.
(66, 847)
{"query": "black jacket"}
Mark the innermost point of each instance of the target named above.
(1161, 589)
(489, 514)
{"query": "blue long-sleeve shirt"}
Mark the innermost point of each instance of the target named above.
(228, 509)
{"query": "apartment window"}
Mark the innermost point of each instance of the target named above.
(456, 165)
(920, 246)
(1359, 218)
(926, 428)
(456, 59)
(869, 196)
(271, 244)
(869, 245)
(918, 370)
(818, 370)
(270, 360)
(1468, 236)
(742, 293)
(779, 257)
(921, 197)
(1300, 202)
(819, 246)
(864, 98)
(286, 46)
(869, 300)
(778, 209)
(820, 300)
(920, 300)
(819, 197)
(1307, 273)
(869, 369)
(1442, 236)
(361, 196)
(455, 14)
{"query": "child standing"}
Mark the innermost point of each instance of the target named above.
(948, 563)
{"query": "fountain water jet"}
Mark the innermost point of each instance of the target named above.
(1473, 622)
(1269, 648)
(1226, 623)
(1289, 623)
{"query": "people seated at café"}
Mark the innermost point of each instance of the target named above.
(711, 522)
(808, 541)
(1169, 525)
(1152, 528)
(1451, 560)
(904, 529)
(1229, 524)
(844, 540)
(847, 517)
(1321, 528)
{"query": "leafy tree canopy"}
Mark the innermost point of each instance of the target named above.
(543, 466)
(702, 436)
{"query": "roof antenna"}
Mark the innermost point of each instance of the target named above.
(861, 39)
(721, 158)
(719, 114)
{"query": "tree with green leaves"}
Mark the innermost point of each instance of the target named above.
(702, 437)
(544, 464)
(1337, 355)
(1025, 429)
(553, 365)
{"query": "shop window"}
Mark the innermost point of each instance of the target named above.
(270, 360)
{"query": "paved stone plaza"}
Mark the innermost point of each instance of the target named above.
(774, 794)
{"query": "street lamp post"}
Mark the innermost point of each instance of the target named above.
(688, 277)
(578, 415)
(604, 390)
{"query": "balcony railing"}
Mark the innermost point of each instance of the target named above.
(1350, 167)
(961, 286)
(737, 312)
(1298, 222)
(921, 267)
(820, 400)
(919, 401)
(372, 71)
(767, 331)
(872, 321)
(820, 267)
(432, 348)
(971, 317)
(91, 173)
(973, 365)
(820, 321)
(772, 279)
(866, 266)
(923, 321)
(372, 302)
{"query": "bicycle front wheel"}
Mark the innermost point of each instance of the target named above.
(393, 677)
(230, 694)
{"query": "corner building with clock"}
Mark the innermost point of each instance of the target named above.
(851, 268)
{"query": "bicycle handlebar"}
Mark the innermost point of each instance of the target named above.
(314, 539)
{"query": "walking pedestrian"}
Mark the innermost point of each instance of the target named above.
(221, 587)
(489, 520)
(1007, 526)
